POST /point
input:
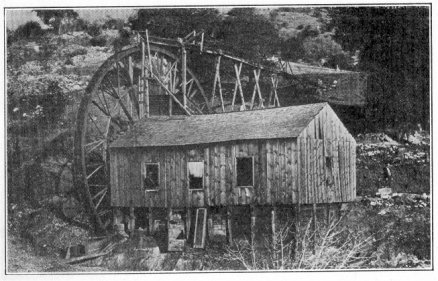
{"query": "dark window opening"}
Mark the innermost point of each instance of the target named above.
(196, 175)
(244, 171)
(151, 176)
(329, 162)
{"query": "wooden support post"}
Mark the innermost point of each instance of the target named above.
(314, 227)
(184, 74)
(142, 81)
(131, 223)
(168, 218)
(229, 226)
(170, 106)
(274, 232)
(150, 221)
(148, 75)
(131, 80)
(188, 222)
(297, 228)
(253, 224)
(117, 216)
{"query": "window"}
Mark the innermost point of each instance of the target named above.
(245, 171)
(150, 176)
(196, 175)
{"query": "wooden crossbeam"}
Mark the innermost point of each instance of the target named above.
(256, 89)
(237, 85)
(95, 171)
(101, 199)
(273, 95)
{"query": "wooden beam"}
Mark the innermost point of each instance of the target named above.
(148, 75)
(131, 223)
(314, 228)
(142, 81)
(253, 224)
(150, 220)
(229, 225)
(274, 230)
(184, 74)
(239, 69)
(239, 84)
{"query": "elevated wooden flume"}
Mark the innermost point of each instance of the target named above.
(150, 78)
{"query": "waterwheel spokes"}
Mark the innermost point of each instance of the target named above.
(111, 106)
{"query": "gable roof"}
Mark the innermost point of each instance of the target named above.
(272, 123)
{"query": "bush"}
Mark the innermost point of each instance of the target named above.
(94, 29)
(98, 41)
(28, 30)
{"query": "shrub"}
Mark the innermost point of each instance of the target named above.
(28, 30)
(98, 41)
(94, 29)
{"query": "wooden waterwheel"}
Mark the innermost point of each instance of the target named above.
(114, 100)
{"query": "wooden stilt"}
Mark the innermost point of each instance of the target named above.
(314, 227)
(297, 228)
(131, 224)
(150, 221)
(188, 222)
(147, 76)
(229, 226)
(184, 74)
(142, 81)
(274, 232)
(253, 224)
(117, 216)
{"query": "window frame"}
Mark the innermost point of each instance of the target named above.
(253, 172)
(188, 176)
(143, 175)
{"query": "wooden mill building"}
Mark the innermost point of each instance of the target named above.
(293, 155)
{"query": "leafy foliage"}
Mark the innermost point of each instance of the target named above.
(394, 47)
(247, 34)
(173, 23)
(28, 30)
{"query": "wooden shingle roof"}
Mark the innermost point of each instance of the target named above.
(283, 122)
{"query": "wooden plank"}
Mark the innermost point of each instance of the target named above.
(269, 172)
(283, 172)
(207, 176)
(229, 173)
(229, 225)
(262, 187)
(222, 176)
(233, 196)
(288, 167)
(302, 170)
(294, 174)
(322, 172)
(175, 192)
(183, 179)
(277, 171)
(216, 177)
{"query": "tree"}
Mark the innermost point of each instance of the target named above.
(55, 18)
(393, 43)
(247, 34)
(173, 23)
